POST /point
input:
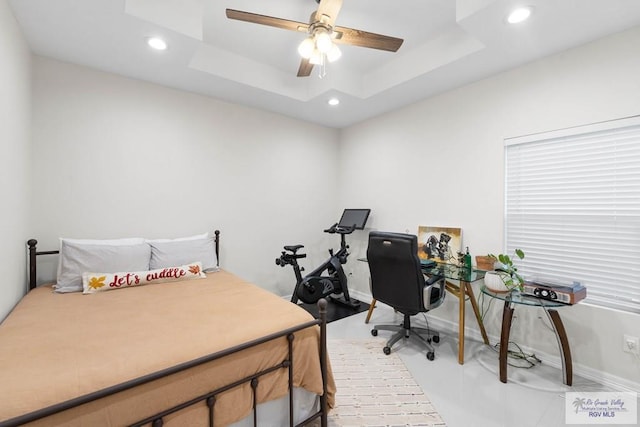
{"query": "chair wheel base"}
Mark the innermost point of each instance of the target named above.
(436, 339)
(387, 350)
(431, 355)
(374, 332)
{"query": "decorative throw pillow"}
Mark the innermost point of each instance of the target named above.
(80, 255)
(168, 252)
(99, 282)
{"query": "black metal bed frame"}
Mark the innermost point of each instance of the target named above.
(209, 398)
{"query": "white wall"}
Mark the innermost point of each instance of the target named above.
(116, 157)
(440, 162)
(15, 116)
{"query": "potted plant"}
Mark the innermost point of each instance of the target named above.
(505, 277)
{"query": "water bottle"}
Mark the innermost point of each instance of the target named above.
(467, 260)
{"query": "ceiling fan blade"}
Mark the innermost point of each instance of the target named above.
(365, 39)
(305, 68)
(330, 9)
(254, 18)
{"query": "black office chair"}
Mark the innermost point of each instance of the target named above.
(397, 280)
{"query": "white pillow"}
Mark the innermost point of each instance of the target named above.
(170, 252)
(100, 282)
(79, 255)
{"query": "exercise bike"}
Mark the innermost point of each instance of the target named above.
(329, 278)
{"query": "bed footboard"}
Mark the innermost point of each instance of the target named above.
(210, 398)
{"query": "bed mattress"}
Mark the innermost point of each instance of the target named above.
(56, 347)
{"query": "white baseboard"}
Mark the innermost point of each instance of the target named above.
(607, 380)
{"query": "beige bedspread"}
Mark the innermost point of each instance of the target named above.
(55, 347)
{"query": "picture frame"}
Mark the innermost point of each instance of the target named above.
(439, 243)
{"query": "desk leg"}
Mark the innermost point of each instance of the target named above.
(474, 304)
(370, 312)
(563, 343)
(507, 315)
(461, 295)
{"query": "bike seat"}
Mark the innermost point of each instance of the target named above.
(293, 248)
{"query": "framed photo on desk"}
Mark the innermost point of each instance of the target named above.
(439, 243)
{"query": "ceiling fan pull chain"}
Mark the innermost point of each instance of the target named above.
(323, 66)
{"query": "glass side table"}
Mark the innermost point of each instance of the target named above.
(511, 299)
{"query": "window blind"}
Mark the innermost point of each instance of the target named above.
(573, 207)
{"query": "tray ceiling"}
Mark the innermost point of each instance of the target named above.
(447, 44)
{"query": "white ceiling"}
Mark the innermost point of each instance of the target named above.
(447, 44)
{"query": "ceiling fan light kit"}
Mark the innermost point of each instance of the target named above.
(320, 46)
(316, 45)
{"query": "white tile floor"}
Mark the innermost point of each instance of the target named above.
(471, 394)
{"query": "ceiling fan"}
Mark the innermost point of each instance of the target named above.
(320, 45)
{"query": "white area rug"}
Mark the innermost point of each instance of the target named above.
(374, 389)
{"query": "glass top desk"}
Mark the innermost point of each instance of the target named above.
(461, 290)
(511, 299)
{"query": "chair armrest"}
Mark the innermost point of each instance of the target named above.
(433, 279)
(434, 292)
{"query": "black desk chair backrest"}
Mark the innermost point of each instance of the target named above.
(396, 276)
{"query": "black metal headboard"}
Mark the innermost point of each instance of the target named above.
(33, 253)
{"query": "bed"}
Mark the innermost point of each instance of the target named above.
(212, 351)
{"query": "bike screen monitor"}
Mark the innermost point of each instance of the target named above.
(357, 217)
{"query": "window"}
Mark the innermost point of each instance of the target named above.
(573, 207)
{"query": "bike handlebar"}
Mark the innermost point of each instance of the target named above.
(335, 228)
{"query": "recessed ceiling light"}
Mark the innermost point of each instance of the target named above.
(157, 43)
(519, 15)
(334, 101)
